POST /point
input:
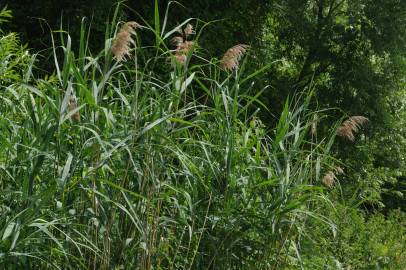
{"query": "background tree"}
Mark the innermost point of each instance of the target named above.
(352, 54)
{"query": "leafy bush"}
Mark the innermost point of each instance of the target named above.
(360, 242)
(15, 59)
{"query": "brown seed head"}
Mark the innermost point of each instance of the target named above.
(180, 58)
(73, 105)
(182, 51)
(313, 125)
(313, 128)
(231, 58)
(339, 170)
(329, 179)
(177, 41)
(351, 126)
(188, 30)
(185, 47)
(123, 40)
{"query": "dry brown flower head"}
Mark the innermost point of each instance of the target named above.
(313, 128)
(180, 58)
(177, 41)
(339, 170)
(72, 105)
(123, 41)
(351, 126)
(183, 47)
(231, 58)
(329, 179)
(188, 30)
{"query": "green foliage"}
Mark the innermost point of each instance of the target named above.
(153, 164)
(14, 57)
(112, 164)
(381, 174)
(352, 53)
(5, 15)
(34, 20)
(360, 242)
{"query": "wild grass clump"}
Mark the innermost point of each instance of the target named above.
(112, 164)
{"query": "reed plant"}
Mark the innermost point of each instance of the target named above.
(154, 157)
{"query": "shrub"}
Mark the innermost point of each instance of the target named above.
(359, 242)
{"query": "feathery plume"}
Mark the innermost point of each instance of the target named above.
(180, 58)
(123, 40)
(351, 126)
(188, 30)
(177, 41)
(183, 46)
(313, 128)
(313, 125)
(339, 170)
(329, 179)
(182, 50)
(73, 105)
(231, 58)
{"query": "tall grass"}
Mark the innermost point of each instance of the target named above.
(152, 163)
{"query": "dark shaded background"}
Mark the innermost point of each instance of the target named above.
(240, 19)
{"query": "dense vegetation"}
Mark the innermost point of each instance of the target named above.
(161, 144)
